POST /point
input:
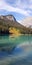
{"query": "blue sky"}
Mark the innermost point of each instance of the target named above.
(19, 8)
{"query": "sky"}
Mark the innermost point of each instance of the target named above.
(19, 8)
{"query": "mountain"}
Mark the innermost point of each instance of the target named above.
(9, 21)
(27, 22)
(30, 26)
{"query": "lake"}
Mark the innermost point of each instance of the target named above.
(16, 50)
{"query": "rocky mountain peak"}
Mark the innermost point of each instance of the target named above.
(8, 17)
(11, 17)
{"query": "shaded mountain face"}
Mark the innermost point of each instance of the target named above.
(10, 21)
(7, 20)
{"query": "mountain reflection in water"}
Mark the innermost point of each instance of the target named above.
(21, 53)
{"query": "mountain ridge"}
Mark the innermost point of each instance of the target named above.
(8, 21)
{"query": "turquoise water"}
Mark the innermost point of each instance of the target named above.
(21, 53)
(15, 40)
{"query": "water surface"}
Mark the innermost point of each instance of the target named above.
(21, 53)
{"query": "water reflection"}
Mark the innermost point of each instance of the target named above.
(21, 53)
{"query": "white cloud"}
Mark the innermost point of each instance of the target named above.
(23, 4)
(30, 1)
(30, 7)
(26, 22)
(7, 7)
